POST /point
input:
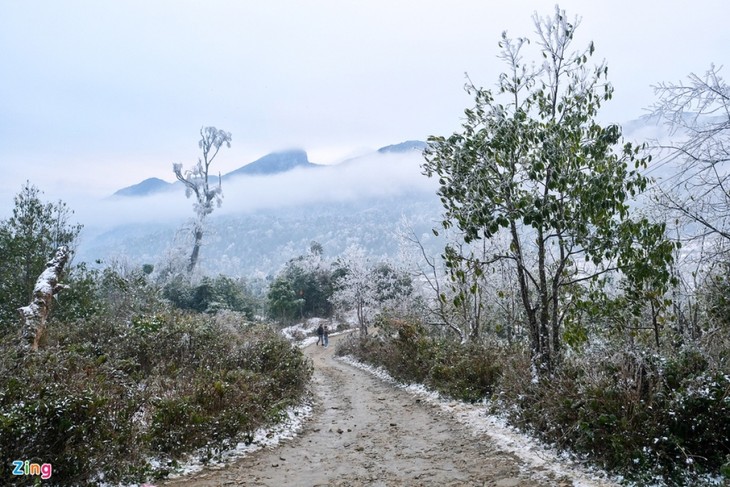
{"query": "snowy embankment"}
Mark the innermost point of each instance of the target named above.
(301, 335)
(537, 457)
(292, 422)
(288, 428)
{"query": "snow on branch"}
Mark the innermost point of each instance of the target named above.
(33, 317)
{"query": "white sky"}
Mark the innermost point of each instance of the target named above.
(98, 95)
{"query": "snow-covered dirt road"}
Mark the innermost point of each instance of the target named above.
(367, 432)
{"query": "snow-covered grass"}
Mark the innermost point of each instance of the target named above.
(536, 456)
(290, 426)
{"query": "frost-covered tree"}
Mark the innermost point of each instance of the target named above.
(28, 239)
(533, 166)
(354, 288)
(697, 112)
(197, 183)
(391, 285)
(480, 296)
(368, 289)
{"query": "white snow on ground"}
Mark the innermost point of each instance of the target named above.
(304, 334)
(298, 331)
(536, 456)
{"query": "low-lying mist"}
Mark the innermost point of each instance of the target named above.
(373, 176)
(266, 220)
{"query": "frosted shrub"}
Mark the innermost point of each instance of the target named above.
(464, 371)
(639, 414)
(105, 397)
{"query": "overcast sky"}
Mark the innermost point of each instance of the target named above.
(98, 95)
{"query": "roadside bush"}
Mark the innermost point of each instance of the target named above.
(469, 372)
(103, 397)
(404, 357)
(71, 410)
(639, 413)
(463, 371)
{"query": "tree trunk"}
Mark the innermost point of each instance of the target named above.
(33, 317)
(525, 295)
(198, 235)
(476, 312)
(360, 308)
(555, 321)
(545, 352)
(555, 298)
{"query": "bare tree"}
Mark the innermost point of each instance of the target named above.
(698, 112)
(439, 310)
(478, 290)
(197, 183)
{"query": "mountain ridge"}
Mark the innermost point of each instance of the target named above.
(274, 163)
(277, 162)
(145, 188)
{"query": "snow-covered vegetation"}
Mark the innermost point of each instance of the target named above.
(130, 376)
(132, 399)
(561, 287)
(560, 299)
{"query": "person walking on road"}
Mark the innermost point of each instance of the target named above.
(320, 335)
(326, 335)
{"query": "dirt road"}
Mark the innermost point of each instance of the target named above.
(365, 432)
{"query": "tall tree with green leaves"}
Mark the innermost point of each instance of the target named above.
(198, 183)
(304, 287)
(28, 240)
(533, 165)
